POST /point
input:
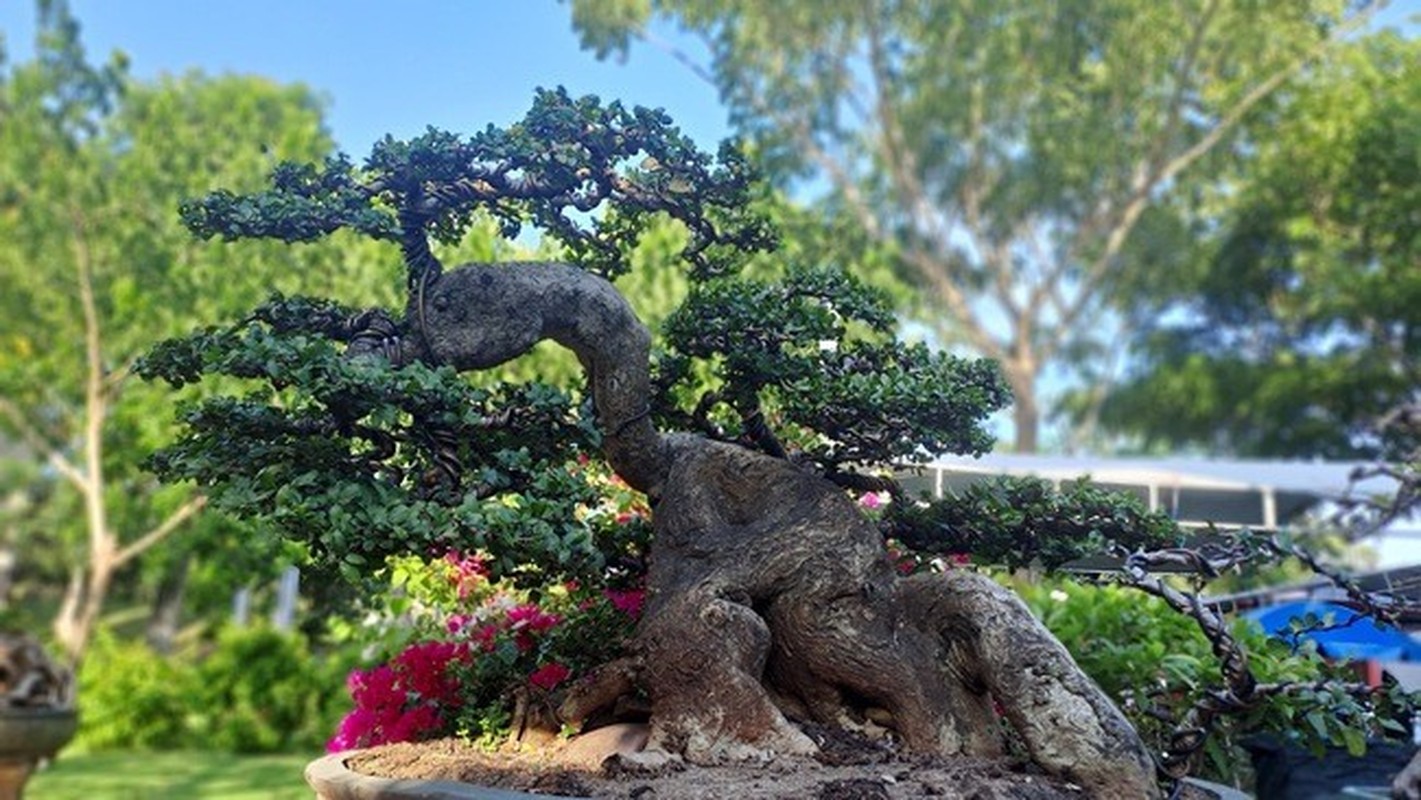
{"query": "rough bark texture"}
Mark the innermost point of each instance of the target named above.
(771, 599)
(480, 316)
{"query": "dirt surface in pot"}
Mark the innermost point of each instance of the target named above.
(848, 768)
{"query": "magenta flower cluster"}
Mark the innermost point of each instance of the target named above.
(418, 693)
(400, 701)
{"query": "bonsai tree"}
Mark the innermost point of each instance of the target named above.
(773, 600)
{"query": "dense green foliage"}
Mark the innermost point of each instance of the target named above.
(1019, 522)
(568, 157)
(365, 461)
(815, 349)
(1293, 325)
(253, 690)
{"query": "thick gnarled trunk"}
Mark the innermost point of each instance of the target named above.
(773, 600)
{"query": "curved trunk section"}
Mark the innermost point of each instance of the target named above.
(480, 315)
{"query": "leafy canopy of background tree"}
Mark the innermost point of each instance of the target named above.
(1002, 152)
(96, 265)
(1296, 324)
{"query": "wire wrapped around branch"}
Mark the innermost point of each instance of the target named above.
(1240, 690)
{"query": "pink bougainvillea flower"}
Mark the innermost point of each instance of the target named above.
(379, 703)
(548, 676)
(627, 601)
(400, 701)
(468, 572)
(413, 724)
(424, 666)
(532, 619)
(375, 688)
(354, 731)
(527, 621)
(485, 637)
(872, 500)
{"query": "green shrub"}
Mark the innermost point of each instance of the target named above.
(262, 691)
(133, 698)
(255, 690)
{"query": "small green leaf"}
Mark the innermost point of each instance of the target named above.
(1354, 740)
(1318, 723)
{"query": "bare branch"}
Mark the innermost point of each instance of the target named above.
(938, 279)
(905, 171)
(1183, 80)
(115, 378)
(1240, 689)
(681, 56)
(95, 401)
(42, 446)
(157, 534)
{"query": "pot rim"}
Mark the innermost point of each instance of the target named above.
(37, 711)
(331, 779)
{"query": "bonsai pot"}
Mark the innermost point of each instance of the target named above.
(26, 736)
(331, 779)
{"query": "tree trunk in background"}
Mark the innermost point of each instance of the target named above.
(68, 630)
(1025, 412)
(166, 616)
(8, 559)
(1027, 418)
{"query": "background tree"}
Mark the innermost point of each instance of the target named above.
(95, 264)
(1291, 325)
(1004, 154)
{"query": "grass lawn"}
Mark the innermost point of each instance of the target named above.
(171, 776)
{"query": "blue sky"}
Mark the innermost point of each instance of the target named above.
(385, 67)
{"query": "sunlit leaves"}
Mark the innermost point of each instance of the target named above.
(1294, 327)
(813, 351)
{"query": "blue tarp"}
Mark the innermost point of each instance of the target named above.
(1350, 635)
